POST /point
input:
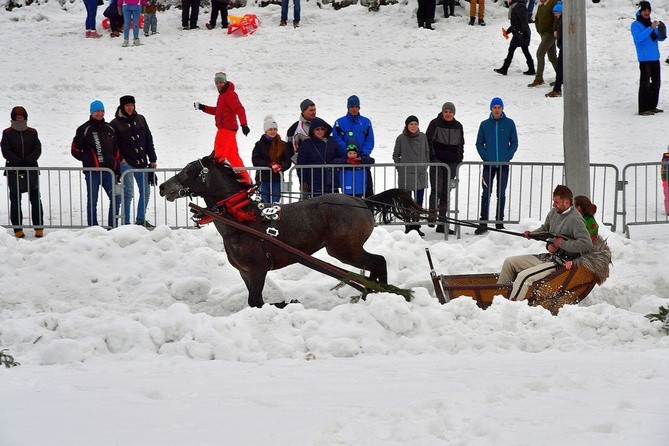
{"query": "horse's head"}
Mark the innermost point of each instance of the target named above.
(202, 178)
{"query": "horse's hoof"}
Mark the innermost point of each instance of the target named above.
(284, 304)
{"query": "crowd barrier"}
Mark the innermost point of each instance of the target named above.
(638, 198)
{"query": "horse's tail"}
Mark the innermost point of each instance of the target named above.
(394, 203)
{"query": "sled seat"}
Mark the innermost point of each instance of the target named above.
(561, 287)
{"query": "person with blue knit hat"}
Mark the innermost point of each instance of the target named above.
(95, 144)
(559, 66)
(497, 141)
(355, 127)
(646, 35)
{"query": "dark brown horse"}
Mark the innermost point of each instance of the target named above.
(339, 223)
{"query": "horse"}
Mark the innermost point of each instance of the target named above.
(339, 223)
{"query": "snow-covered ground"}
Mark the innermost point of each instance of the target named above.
(136, 337)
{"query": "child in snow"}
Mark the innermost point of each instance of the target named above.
(150, 18)
(353, 180)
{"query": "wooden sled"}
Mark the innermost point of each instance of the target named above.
(562, 287)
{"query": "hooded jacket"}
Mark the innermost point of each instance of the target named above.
(315, 151)
(497, 139)
(446, 140)
(21, 148)
(228, 109)
(358, 128)
(134, 139)
(646, 39)
(520, 28)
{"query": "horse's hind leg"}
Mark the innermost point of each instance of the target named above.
(378, 269)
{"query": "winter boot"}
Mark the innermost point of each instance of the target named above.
(136, 42)
(530, 68)
(125, 43)
(502, 70)
(539, 80)
(95, 34)
(283, 23)
(296, 24)
(471, 21)
(482, 229)
(481, 22)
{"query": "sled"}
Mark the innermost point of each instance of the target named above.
(562, 287)
(244, 25)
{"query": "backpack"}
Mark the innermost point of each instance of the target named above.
(664, 168)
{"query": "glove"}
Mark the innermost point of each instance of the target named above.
(354, 160)
(275, 167)
(198, 106)
(245, 130)
(505, 34)
(527, 234)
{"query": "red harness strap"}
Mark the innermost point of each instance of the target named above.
(234, 207)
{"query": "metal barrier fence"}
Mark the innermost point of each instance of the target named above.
(645, 199)
(529, 192)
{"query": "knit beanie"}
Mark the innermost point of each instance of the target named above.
(448, 106)
(220, 77)
(557, 9)
(270, 123)
(127, 100)
(410, 119)
(644, 5)
(353, 101)
(96, 106)
(306, 104)
(496, 101)
(18, 110)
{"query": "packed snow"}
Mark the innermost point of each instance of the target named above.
(132, 336)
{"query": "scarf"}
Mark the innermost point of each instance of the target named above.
(19, 126)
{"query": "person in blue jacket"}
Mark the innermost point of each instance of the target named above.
(355, 127)
(353, 180)
(318, 149)
(497, 141)
(646, 35)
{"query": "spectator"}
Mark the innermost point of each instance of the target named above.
(115, 19)
(137, 152)
(425, 13)
(299, 131)
(646, 34)
(530, 10)
(411, 147)
(472, 11)
(216, 7)
(559, 72)
(446, 139)
(449, 8)
(91, 12)
(588, 209)
(96, 146)
(150, 18)
(496, 141)
(521, 37)
(270, 151)
(318, 149)
(572, 240)
(352, 179)
(132, 9)
(284, 13)
(355, 127)
(21, 147)
(664, 174)
(190, 10)
(227, 110)
(545, 24)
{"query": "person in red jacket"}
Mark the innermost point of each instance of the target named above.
(227, 110)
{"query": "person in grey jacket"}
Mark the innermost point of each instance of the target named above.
(570, 239)
(411, 147)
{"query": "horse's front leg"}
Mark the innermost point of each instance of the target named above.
(255, 282)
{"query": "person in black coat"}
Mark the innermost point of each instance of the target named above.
(521, 37)
(137, 152)
(318, 149)
(96, 146)
(21, 147)
(270, 151)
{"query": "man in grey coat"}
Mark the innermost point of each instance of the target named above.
(570, 239)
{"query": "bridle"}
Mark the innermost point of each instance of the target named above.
(181, 176)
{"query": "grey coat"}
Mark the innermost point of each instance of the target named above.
(411, 148)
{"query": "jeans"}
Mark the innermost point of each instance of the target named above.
(15, 213)
(296, 10)
(91, 11)
(95, 179)
(489, 174)
(131, 11)
(270, 191)
(150, 23)
(142, 179)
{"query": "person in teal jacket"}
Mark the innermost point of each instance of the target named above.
(646, 35)
(497, 141)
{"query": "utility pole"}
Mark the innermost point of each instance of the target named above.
(575, 121)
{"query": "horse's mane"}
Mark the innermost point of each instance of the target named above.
(223, 166)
